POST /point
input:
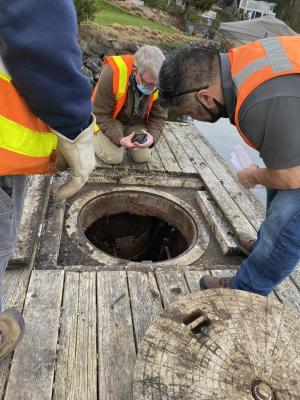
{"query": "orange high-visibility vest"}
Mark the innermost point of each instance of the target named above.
(27, 146)
(122, 67)
(257, 62)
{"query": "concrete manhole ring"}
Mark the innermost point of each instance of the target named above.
(97, 204)
(220, 345)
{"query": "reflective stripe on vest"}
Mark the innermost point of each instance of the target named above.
(27, 146)
(122, 69)
(257, 62)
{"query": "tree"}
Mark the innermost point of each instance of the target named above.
(86, 10)
(289, 12)
(200, 5)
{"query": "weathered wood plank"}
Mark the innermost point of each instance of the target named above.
(295, 276)
(226, 204)
(193, 278)
(116, 347)
(155, 165)
(223, 273)
(15, 284)
(288, 294)
(145, 301)
(152, 179)
(32, 369)
(178, 152)
(48, 250)
(218, 224)
(166, 156)
(249, 205)
(31, 218)
(76, 372)
(172, 285)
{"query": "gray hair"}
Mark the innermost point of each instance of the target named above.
(149, 58)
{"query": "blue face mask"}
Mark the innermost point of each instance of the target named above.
(145, 90)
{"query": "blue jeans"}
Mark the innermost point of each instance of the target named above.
(277, 249)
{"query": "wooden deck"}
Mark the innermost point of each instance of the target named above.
(84, 325)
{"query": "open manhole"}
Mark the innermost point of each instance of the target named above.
(137, 225)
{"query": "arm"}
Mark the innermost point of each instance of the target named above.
(40, 50)
(104, 104)
(157, 118)
(288, 178)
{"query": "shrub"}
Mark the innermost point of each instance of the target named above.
(86, 10)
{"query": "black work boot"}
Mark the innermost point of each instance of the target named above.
(212, 282)
(11, 331)
(245, 243)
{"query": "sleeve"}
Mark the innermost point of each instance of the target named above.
(156, 121)
(273, 126)
(39, 47)
(104, 104)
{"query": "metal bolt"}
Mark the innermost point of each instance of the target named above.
(262, 391)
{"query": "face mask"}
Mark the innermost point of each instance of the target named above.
(145, 90)
(221, 113)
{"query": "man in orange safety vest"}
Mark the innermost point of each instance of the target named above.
(256, 86)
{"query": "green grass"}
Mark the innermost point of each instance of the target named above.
(107, 14)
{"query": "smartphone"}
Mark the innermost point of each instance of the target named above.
(140, 138)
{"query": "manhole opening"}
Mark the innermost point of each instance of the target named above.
(138, 226)
(136, 237)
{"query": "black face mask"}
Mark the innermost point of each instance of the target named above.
(221, 113)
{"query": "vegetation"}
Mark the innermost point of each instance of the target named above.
(289, 12)
(107, 14)
(86, 10)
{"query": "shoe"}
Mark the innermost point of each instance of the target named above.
(212, 282)
(11, 331)
(245, 243)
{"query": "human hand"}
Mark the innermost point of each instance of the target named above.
(146, 144)
(247, 176)
(126, 141)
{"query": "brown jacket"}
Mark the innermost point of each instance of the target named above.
(104, 104)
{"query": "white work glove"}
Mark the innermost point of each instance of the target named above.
(79, 155)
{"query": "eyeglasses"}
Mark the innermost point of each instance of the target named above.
(176, 94)
(149, 85)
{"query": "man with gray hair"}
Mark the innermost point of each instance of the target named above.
(127, 112)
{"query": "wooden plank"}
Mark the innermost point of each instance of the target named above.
(152, 179)
(32, 369)
(76, 372)
(295, 276)
(15, 284)
(145, 301)
(288, 294)
(218, 224)
(172, 286)
(155, 165)
(167, 157)
(193, 278)
(223, 273)
(249, 205)
(226, 204)
(116, 347)
(48, 250)
(31, 219)
(178, 152)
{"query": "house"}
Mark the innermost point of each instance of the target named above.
(255, 9)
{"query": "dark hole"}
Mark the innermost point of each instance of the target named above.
(136, 237)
